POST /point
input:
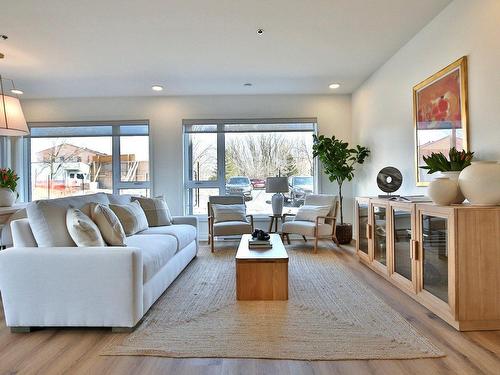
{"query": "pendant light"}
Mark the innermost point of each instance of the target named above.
(12, 121)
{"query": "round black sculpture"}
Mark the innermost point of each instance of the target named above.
(389, 179)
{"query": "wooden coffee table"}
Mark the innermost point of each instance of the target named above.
(262, 274)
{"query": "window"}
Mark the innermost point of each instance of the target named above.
(83, 158)
(236, 157)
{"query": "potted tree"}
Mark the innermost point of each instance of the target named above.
(338, 161)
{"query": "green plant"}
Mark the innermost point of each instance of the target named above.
(8, 179)
(457, 160)
(338, 161)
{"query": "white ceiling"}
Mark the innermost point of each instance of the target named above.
(71, 48)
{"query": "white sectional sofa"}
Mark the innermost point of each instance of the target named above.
(90, 286)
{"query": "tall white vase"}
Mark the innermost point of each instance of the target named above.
(7, 197)
(480, 183)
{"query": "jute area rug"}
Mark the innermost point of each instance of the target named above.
(330, 315)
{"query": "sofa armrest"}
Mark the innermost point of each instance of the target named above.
(72, 286)
(189, 220)
(22, 236)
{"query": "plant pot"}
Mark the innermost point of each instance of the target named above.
(480, 183)
(344, 233)
(453, 176)
(443, 191)
(7, 197)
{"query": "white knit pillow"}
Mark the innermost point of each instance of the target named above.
(310, 213)
(131, 216)
(82, 229)
(229, 212)
(109, 225)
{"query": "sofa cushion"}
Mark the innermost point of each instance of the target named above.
(232, 228)
(82, 229)
(131, 216)
(156, 211)
(183, 233)
(156, 251)
(48, 218)
(109, 225)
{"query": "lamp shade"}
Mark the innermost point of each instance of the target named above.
(12, 121)
(276, 185)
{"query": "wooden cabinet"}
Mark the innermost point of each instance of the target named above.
(445, 257)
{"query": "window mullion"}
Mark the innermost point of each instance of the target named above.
(115, 160)
(221, 158)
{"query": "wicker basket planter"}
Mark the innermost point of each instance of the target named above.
(344, 233)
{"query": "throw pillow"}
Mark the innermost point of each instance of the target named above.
(109, 225)
(131, 216)
(82, 229)
(156, 211)
(229, 212)
(310, 213)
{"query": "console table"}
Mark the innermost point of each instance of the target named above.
(445, 257)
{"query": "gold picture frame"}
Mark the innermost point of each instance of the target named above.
(440, 114)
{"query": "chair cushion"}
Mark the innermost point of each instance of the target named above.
(48, 218)
(131, 216)
(109, 224)
(156, 211)
(183, 233)
(306, 228)
(229, 212)
(232, 228)
(156, 251)
(82, 229)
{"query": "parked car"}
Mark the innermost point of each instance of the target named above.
(240, 185)
(258, 183)
(300, 186)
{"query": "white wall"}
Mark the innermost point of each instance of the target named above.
(382, 106)
(166, 113)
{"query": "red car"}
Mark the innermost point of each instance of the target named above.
(258, 183)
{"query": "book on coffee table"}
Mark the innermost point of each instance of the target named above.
(259, 244)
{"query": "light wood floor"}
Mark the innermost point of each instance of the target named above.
(76, 351)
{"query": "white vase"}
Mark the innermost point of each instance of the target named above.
(453, 176)
(480, 183)
(443, 191)
(7, 197)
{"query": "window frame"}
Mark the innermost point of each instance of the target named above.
(220, 183)
(115, 147)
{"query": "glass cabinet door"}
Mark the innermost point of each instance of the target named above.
(402, 232)
(435, 255)
(363, 222)
(380, 235)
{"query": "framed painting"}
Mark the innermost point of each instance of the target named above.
(440, 114)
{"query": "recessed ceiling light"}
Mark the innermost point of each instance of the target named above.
(157, 88)
(248, 84)
(334, 86)
(17, 91)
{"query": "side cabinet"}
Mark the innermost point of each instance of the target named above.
(362, 228)
(445, 257)
(403, 245)
(379, 227)
(436, 280)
